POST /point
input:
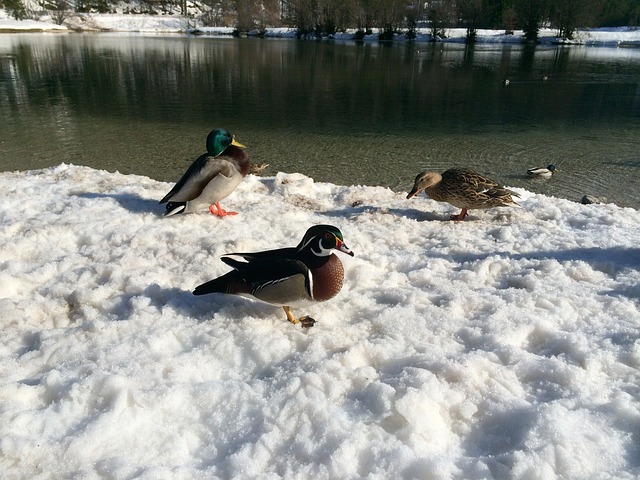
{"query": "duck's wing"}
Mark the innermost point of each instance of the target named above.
(278, 281)
(273, 279)
(265, 266)
(464, 180)
(501, 192)
(469, 188)
(481, 183)
(284, 279)
(197, 176)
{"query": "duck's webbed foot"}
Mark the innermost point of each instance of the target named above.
(305, 322)
(217, 210)
(461, 216)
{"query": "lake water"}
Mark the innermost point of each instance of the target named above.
(345, 113)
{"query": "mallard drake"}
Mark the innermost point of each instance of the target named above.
(542, 172)
(464, 189)
(290, 276)
(211, 177)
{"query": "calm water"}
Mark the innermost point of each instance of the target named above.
(340, 112)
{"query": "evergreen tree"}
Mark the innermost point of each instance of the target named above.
(16, 9)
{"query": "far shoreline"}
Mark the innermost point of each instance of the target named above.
(623, 37)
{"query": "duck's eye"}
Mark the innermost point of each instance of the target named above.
(328, 235)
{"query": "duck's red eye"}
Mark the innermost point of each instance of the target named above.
(327, 235)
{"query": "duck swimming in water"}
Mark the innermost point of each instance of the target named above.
(542, 172)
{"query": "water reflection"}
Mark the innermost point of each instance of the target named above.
(287, 81)
(340, 112)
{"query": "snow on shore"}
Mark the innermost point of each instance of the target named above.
(120, 22)
(504, 346)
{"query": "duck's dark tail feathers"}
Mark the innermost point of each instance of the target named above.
(175, 207)
(230, 283)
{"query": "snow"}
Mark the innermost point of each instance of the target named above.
(7, 23)
(504, 346)
(129, 23)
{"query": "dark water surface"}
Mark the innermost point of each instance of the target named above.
(345, 113)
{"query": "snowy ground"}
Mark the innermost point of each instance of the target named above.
(120, 22)
(504, 346)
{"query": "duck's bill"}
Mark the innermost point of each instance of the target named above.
(413, 192)
(343, 248)
(236, 143)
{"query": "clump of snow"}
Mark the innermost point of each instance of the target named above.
(276, 32)
(504, 346)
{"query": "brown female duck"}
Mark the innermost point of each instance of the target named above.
(464, 189)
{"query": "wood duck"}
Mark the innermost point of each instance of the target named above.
(464, 189)
(211, 177)
(287, 277)
(542, 172)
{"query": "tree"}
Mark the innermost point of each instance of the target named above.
(509, 19)
(413, 16)
(304, 14)
(531, 13)
(58, 9)
(362, 15)
(391, 13)
(343, 14)
(618, 13)
(567, 15)
(440, 15)
(494, 13)
(327, 17)
(247, 11)
(221, 13)
(474, 14)
(16, 9)
(323, 17)
(269, 14)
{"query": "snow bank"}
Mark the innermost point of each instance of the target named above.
(129, 23)
(504, 346)
(8, 24)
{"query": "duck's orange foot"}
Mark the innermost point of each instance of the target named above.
(461, 216)
(305, 322)
(217, 210)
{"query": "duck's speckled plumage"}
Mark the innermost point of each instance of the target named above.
(287, 277)
(463, 188)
